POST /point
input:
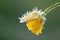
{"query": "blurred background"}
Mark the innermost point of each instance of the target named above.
(11, 29)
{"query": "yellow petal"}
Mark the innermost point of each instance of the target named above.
(35, 25)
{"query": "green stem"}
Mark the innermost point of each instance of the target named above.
(46, 11)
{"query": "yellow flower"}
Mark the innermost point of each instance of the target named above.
(34, 21)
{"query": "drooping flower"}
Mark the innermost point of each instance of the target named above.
(34, 20)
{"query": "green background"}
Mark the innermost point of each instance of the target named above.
(11, 29)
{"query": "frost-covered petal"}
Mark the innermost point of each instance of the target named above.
(31, 15)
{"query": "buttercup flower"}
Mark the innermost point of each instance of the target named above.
(34, 20)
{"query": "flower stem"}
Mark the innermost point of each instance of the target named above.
(46, 11)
